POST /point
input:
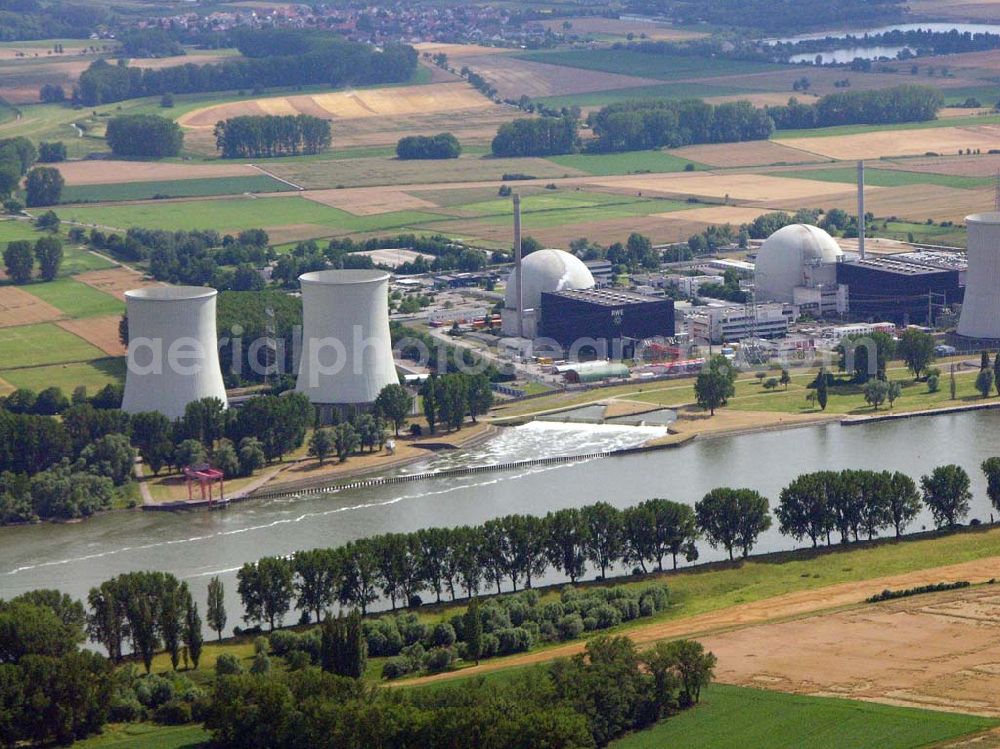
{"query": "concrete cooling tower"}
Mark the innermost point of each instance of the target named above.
(981, 308)
(173, 355)
(346, 350)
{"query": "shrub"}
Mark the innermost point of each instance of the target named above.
(260, 645)
(228, 664)
(551, 612)
(153, 690)
(411, 628)
(395, 667)
(125, 710)
(606, 616)
(443, 635)
(514, 640)
(439, 659)
(491, 645)
(261, 664)
(298, 660)
(383, 637)
(173, 713)
(283, 642)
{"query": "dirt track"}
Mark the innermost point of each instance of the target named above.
(771, 610)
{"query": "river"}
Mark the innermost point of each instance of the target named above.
(197, 545)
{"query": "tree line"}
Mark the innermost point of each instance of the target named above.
(440, 146)
(20, 256)
(265, 136)
(653, 123)
(143, 135)
(336, 63)
(907, 103)
(538, 136)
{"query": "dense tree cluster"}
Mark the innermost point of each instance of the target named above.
(652, 123)
(774, 16)
(144, 135)
(20, 256)
(51, 691)
(43, 186)
(334, 62)
(149, 42)
(440, 146)
(16, 157)
(875, 107)
(31, 19)
(580, 703)
(266, 136)
(50, 153)
(539, 136)
(447, 399)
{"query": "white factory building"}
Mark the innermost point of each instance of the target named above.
(728, 323)
(798, 265)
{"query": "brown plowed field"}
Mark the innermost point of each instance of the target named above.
(981, 165)
(101, 172)
(98, 331)
(514, 78)
(771, 611)
(115, 281)
(937, 651)
(750, 187)
(18, 307)
(368, 202)
(920, 202)
(750, 153)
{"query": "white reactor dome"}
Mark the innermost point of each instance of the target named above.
(795, 255)
(547, 271)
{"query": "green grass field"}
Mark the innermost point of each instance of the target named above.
(655, 91)
(79, 260)
(93, 375)
(662, 67)
(12, 230)
(970, 121)
(181, 188)
(891, 177)
(147, 736)
(735, 718)
(951, 236)
(76, 299)
(633, 162)
(45, 343)
(235, 214)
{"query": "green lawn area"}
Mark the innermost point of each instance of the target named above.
(818, 132)
(663, 67)
(633, 162)
(561, 208)
(76, 299)
(180, 188)
(12, 230)
(952, 236)
(45, 343)
(235, 214)
(891, 177)
(147, 736)
(80, 260)
(655, 91)
(731, 717)
(93, 375)
(843, 399)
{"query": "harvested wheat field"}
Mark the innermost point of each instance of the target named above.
(368, 201)
(749, 153)
(459, 50)
(18, 307)
(938, 651)
(115, 281)
(101, 332)
(980, 165)
(156, 63)
(723, 214)
(936, 140)
(296, 232)
(514, 78)
(748, 187)
(100, 172)
(920, 202)
(376, 102)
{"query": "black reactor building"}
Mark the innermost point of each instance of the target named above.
(607, 315)
(901, 288)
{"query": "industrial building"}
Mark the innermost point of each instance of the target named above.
(613, 320)
(173, 354)
(346, 348)
(728, 323)
(542, 271)
(981, 309)
(904, 289)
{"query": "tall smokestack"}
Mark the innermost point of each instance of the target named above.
(518, 286)
(861, 209)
